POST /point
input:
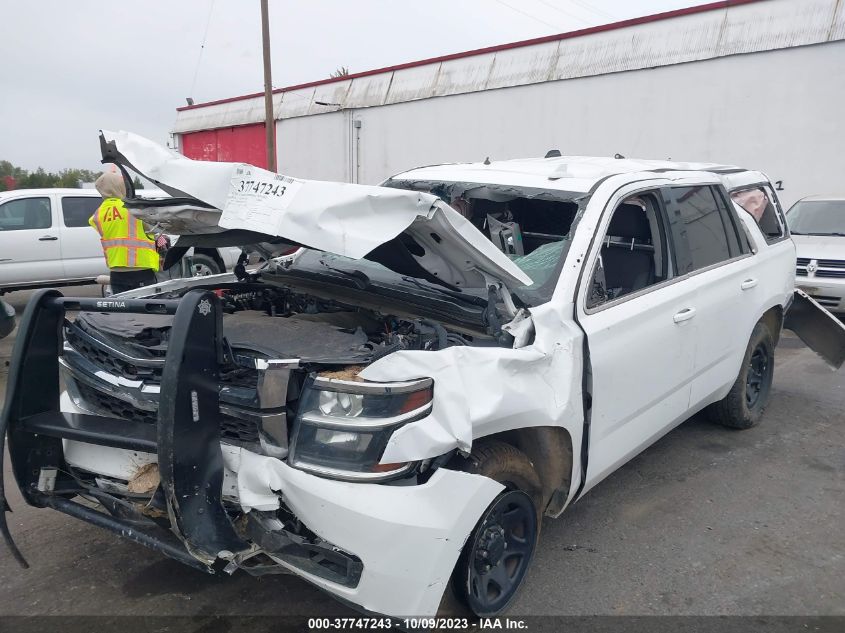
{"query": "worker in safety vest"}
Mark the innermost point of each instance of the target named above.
(130, 253)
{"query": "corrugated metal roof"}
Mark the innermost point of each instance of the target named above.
(715, 30)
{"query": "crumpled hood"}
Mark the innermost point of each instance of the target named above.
(413, 233)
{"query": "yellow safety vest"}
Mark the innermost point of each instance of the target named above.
(125, 244)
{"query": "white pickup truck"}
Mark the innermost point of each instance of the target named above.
(45, 240)
(389, 412)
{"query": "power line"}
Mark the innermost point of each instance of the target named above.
(528, 15)
(590, 7)
(563, 11)
(202, 48)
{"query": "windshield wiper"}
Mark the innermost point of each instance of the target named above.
(832, 233)
(452, 293)
(362, 282)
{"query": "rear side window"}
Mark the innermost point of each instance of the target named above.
(76, 210)
(26, 213)
(701, 232)
(760, 202)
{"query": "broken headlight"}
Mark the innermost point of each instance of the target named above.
(343, 426)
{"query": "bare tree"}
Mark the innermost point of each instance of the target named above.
(343, 71)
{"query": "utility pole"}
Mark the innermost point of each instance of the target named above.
(269, 121)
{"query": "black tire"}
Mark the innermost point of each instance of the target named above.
(498, 552)
(206, 264)
(743, 407)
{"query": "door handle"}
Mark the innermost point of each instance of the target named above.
(48, 238)
(748, 284)
(684, 315)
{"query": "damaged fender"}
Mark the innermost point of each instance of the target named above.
(480, 391)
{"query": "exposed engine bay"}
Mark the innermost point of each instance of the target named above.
(275, 322)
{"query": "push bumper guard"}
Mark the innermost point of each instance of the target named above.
(186, 437)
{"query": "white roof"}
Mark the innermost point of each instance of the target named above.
(48, 191)
(87, 193)
(566, 173)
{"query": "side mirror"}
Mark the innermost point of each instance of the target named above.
(7, 319)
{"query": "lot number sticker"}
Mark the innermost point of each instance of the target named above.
(258, 199)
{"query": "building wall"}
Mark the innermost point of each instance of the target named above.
(779, 111)
(315, 147)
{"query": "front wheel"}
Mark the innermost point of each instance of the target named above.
(743, 407)
(498, 552)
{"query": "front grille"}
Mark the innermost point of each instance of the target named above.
(232, 429)
(113, 364)
(148, 371)
(828, 268)
(832, 263)
(116, 407)
(238, 431)
(237, 376)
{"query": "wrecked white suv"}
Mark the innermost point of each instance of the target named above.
(389, 408)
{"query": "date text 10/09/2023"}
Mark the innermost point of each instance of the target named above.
(360, 624)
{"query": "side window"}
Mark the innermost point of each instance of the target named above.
(634, 253)
(760, 202)
(699, 228)
(26, 213)
(76, 210)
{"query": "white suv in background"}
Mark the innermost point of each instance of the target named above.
(45, 240)
(817, 224)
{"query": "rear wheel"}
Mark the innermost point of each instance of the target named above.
(743, 407)
(496, 556)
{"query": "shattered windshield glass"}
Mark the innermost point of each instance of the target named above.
(531, 226)
(541, 262)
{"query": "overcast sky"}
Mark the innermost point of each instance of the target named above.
(71, 68)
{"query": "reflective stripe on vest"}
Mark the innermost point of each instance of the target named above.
(124, 242)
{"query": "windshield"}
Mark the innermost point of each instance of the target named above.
(541, 263)
(531, 226)
(817, 217)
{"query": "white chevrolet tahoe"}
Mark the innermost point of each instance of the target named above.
(45, 241)
(389, 411)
